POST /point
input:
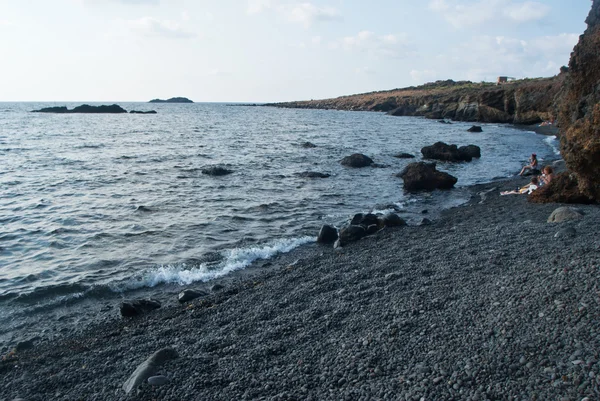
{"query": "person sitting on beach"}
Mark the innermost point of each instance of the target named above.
(548, 174)
(532, 166)
(527, 189)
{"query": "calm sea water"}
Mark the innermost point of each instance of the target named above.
(94, 203)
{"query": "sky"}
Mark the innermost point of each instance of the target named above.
(273, 50)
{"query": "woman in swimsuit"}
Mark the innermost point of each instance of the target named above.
(533, 164)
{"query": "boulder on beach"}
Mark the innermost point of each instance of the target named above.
(424, 176)
(357, 160)
(189, 295)
(392, 220)
(327, 235)
(85, 108)
(475, 128)
(404, 156)
(149, 368)
(565, 213)
(364, 220)
(351, 233)
(138, 307)
(216, 171)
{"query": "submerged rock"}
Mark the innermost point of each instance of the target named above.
(469, 152)
(475, 128)
(424, 176)
(313, 174)
(309, 145)
(138, 307)
(404, 156)
(357, 160)
(216, 171)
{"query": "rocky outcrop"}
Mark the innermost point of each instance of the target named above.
(84, 108)
(424, 176)
(579, 109)
(356, 160)
(172, 100)
(451, 153)
(526, 101)
(563, 188)
(142, 112)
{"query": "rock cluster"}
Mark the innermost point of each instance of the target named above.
(84, 108)
(451, 153)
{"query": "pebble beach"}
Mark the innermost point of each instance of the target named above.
(488, 302)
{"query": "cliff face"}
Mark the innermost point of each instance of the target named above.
(579, 109)
(518, 102)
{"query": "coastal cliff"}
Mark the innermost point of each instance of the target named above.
(526, 101)
(579, 110)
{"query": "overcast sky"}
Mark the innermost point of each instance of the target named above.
(272, 50)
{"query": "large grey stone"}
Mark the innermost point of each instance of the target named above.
(565, 213)
(148, 368)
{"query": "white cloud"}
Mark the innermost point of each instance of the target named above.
(316, 40)
(304, 13)
(461, 15)
(151, 26)
(423, 76)
(393, 45)
(364, 71)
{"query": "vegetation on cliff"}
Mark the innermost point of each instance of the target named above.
(525, 101)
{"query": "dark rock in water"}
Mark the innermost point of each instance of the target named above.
(379, 165)
(172, 100)
(392, 220)
(404, 156)
(451, 153)
(357, 160)
(565, 213)
(424, 176)
(444, 122)
(351, 234)
(217, 287)
(327, 235)
(189, 294)
(563, 188)
(309, 145)
(313, 174)
(85, 108)
(364, 220)
(142, 112)
(441, 151)
(424, 222)
(424, 211)
(216, 171)
(469, 152)
(475, 128)
(148, 368)
(138, 307)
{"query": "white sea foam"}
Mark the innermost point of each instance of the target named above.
(552, 141)
(233, 259)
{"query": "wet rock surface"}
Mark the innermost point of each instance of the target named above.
(425, 176)
(356, 160)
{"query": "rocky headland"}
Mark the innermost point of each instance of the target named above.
(526, 101)
(172, 100)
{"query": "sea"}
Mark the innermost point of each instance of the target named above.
(96, 206)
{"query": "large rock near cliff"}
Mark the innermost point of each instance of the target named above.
(579, 110)
(563, 188)
(424, 176)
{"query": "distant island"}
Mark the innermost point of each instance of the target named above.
(85, 108)
(172, 100)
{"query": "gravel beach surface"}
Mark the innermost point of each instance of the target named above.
(489, 302)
